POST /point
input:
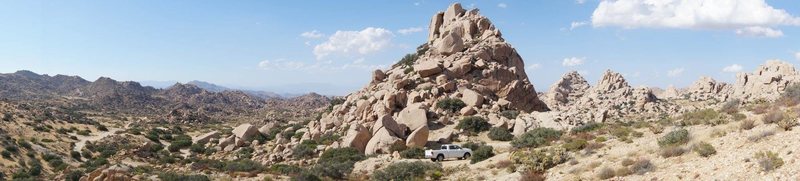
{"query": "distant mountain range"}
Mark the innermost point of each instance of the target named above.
(191, 99)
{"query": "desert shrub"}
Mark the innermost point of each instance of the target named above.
(21, 174)
(642, 166)
(605, 173)
(738, 116)
(101, 127)
(588, 127)
(622, 171)
(180, 142)
(338, 163)
(306, 149)
(305, 176)
(12, 149)
(621, 132)
(731, 106)
(500, 134)
(541, 159)
(768, 160)
(84, 132)
(773, 117)
(510, 114)
(407, 60)
(574, 144)
(246, 152)
(8, 116)
(417, 170)
(704, 149)
(760, 136)
(704, 116)
(536, 138)
(35, 169)
(474, 124)
(627, 162)
(6, 154)
(197, 148)
(413, 153)
(482, 153)
(787, 124)
(747, 124)
(790, 96)
(451, 104)
(674, 138)
(75, 155)
(284, 169)
(671, 151)
(243, 165)
(24, 144)
(170, 176)
(74, 175)
(532, 175)
(472, 145)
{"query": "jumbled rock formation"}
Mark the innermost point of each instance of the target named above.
(465, 58)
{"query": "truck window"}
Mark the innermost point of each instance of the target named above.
(443, 148)
(452, 147)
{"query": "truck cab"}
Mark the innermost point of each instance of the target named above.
(448, 151)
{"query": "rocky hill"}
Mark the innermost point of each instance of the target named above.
(465, 60)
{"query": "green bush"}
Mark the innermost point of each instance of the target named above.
(674, 138)
(75, 155)
(482, 153)
(540, 159)
(180, 142)
(510, 114)
(170, 176)
(536, 138)
(575, 144)
(6, 154)
(243, 165)
(101, 127)
(768, 160)
(413, 153)
(500, 134)
(704, 116)
(305, 176)
(338, 163)
(35, 170)
(588, 127)
(24, 144)
(284, 169)
(704, 149)
(474, 124)
(451, 104)
(306, 149)
(21, 174)
(73, 175)
(402, 171)
(407, 60)
(8, 117)
(197, 148)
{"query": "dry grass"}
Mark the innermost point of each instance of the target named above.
(773, 117)
(532, 176)
(760, 136)
(747, 124)
(671, 151)
(605, 173)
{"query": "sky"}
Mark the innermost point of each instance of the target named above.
(331, 47)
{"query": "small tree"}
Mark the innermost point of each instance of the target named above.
(451, 104)
(536, 138)
(474, 124)
(500, 134)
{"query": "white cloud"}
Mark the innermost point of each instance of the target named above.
(757, 31)
(312, 34)
(732, 68)
(690, 14)
(417, 3)
(362, 42)
(534, 66)
(502, 5)
(577, 24)
(675, 72)
(406, 31)
(573, 61)
(580, 1)
(797, 55)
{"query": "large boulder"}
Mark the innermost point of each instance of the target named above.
(471, 98)
(413, 118)
(449, 44)
(204, 138)
(381, 142)
(244, 133)
(357, 137)
(428, 68)
(433, 29)
(418, 138)
(389, 124)
(264, 130)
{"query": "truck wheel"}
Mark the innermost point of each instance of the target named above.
(466, 156)
(440, 158)
(433, 159)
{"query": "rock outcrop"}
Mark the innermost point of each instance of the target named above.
(569, 88)
(464, 58)
(707, 88)
(766, 83)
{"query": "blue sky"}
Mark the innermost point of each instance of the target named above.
(331, 47)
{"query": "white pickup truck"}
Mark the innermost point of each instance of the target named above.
(448, 151)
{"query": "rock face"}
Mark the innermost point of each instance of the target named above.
(465, 57)
(612, 97)
(110, 173)
(707, 88)
(357, 137)
(244, 133)
(568, 89)
(204, 138)
(767, 82)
